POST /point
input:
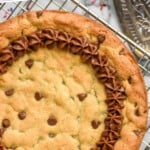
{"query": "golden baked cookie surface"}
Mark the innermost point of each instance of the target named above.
(59, 117)
(72, 85)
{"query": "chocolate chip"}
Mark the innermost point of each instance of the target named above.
(135, 104)
(39, 14)
(95, 124)
(129, 80)
(137, 112)
(51, 135)
(22, 115)
(137, 132)
(82, 96)
(101, 38)
(29, 63)
(38, 96)
(5, 123)
(2, 132)
(52, 121)
(9, 92)
(122, 51)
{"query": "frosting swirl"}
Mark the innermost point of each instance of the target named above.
(78, 45)
(6, 59)
(34, 40)
(49, 37)
(6, 56)
(89, 53)
(64, 40)
(105, 144)
(20, 44)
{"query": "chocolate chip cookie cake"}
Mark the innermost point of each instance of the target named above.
(68, 83)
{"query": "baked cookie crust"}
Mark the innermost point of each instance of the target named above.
(133, 125)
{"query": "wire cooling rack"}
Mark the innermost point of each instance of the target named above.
(8, 10)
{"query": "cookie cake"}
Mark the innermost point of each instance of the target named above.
(68, 83)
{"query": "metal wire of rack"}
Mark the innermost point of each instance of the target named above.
(14, 8)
